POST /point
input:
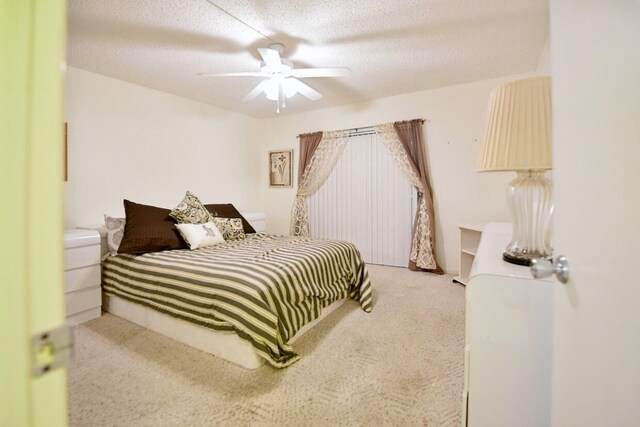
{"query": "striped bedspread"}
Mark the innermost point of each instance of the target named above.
(264, 288)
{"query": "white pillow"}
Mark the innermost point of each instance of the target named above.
(200, 235)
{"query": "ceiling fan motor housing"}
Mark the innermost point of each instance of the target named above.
(285, 66)
(278, 47)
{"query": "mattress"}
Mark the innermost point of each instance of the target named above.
(264, 288)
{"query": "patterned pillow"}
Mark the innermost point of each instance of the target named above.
(190, 211)
(231, 228)
(115, 231)
(200, 235)
(227, 210)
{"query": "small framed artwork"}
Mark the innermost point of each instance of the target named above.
(280, 168)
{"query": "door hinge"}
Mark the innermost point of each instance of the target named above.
(50, 350)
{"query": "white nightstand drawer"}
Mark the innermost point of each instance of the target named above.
(84, 299)
(81, 256)
(81, 278)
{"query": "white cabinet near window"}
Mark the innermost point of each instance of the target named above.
(82, 275)
(469, 240)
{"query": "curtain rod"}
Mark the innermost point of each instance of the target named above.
(365, 130)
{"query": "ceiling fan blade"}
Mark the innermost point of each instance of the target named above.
(271, 57)
(320, 72)
(260, 87)
(303, 89)
(247, 74)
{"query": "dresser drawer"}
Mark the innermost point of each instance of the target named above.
(81, 256)
(81, 278)
(83, 300)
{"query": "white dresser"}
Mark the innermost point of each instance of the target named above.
(82, 275)
(508, 340)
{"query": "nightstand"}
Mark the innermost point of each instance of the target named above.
(82, 275)
(469, 240)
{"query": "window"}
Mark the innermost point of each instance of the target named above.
(367, 201)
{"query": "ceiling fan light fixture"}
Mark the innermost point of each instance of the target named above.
(288, 85)
(282, 79)
(271, 89)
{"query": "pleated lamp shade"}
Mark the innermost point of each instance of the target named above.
(518, 132)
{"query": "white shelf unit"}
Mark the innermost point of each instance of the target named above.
(469, 240)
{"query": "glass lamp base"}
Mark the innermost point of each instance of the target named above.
(529, 202)
(518, 259)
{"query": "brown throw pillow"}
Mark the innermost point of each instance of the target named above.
(149, 229)
(227, 210)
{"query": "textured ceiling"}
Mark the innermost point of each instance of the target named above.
(392, 47)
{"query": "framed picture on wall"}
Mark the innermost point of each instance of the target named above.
(280, 168)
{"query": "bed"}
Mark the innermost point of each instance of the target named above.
(245, 301)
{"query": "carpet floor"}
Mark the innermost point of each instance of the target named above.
(401, 364)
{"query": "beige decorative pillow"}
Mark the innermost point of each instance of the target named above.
(115, 231)
(190, 211)
(200, 235)
(231, 228)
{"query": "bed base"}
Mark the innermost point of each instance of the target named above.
(226, 345)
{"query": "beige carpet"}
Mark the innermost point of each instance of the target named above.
(402, 364)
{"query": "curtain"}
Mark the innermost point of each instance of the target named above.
(405, 143)
(308, 145)
(318, 165)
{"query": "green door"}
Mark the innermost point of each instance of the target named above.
(32, 44)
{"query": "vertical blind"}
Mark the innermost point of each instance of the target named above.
(367, 201)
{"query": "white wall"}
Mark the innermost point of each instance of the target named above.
(456, 117)
(127, 141)
(544, 63)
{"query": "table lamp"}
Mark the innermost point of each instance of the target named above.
(518, 138)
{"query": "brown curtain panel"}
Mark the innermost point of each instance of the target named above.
(308, 145)
(412, 139)
(319, 153)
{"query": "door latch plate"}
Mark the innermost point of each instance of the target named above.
(50, 350)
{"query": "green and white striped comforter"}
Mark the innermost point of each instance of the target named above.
(265, 288)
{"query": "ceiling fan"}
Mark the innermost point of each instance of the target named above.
(282, 78)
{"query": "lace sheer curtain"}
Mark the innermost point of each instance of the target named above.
(315, 173)
(405, 144)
